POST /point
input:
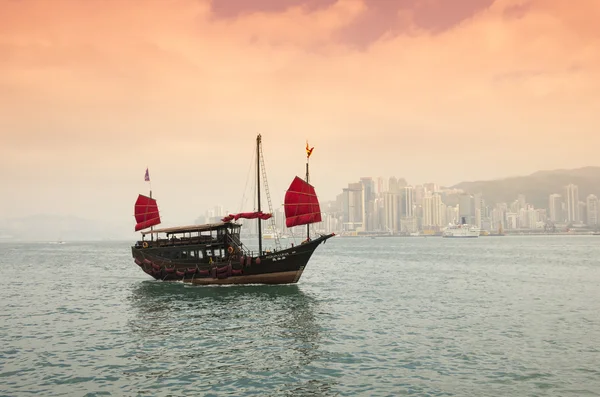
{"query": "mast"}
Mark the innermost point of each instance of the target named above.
(258, 140)
(307, 226)
(151, 227)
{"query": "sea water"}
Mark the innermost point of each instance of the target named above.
(511, 316)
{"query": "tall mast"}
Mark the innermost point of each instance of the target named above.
(258, 140)
(307, 226)
(151, 227)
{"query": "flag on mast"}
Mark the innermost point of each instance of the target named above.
(308, 151)
(147, 176)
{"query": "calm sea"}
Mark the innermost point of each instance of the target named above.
(494, 316)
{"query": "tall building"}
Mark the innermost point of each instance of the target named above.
(572, 203)
(408, 201)
(368, 187)
(427, 220)
(378, 214)
(582, 212)
(419, 194)
(498, 217)
(592, 211)
(522, 201)
(466, 208)
(480, 209)
(451, 214)
(382, 186)
(391, 208)
(354, 207)
(555, 208)
(393, 186)
(369, 199)
(432, 212)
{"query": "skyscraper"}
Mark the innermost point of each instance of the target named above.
(408, 201)
(555, 208)
(391, 204)
(592, 211)
(572, 203)
(354, 206)
(466, 208)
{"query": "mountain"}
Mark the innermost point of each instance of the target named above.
(537, 186)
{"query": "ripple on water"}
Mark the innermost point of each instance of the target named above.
(376, 317)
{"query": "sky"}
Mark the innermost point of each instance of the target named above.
(92, 93)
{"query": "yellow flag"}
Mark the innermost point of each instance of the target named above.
(308, 150)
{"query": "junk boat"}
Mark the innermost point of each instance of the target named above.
(214, 253)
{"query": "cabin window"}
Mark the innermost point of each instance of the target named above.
(193, 254)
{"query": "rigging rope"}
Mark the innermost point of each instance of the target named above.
(242, 204)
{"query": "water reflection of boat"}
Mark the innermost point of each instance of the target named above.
(210, 333)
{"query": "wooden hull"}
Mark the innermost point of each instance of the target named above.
(280, 267)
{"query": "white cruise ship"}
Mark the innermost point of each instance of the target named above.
(463, 230)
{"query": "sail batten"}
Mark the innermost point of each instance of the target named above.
(301, 204)
(146, 212)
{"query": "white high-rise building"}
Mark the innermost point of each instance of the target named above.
(432, 211)
(436, 209)
(592, 211)
(572, 203)
(427, 212)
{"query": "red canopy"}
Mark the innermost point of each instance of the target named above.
(247, 215)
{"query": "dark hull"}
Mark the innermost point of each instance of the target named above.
(281, 267)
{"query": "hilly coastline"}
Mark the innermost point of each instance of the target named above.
(537, 186)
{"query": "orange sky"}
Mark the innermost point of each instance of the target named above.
(92, 92)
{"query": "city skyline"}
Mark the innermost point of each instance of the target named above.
(429, 209)
(392, 206)
(93, 92)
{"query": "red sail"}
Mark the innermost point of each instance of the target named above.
(301, 204)
(247, 215)
(146, 212)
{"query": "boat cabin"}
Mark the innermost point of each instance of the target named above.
(204, 243)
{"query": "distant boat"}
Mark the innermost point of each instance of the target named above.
(214, 253)
(59, 241)
(462, 230)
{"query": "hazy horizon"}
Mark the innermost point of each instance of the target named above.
(92, 93)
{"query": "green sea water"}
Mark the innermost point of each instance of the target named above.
(494, 316)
